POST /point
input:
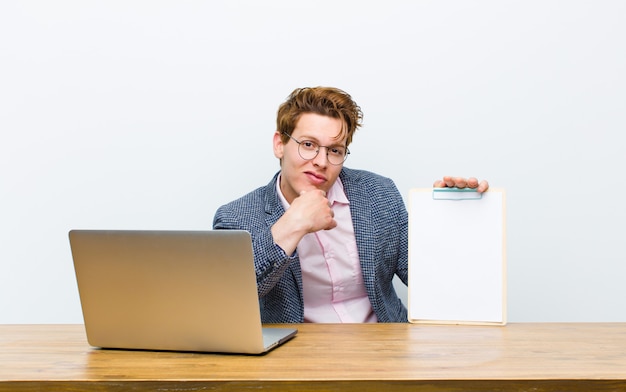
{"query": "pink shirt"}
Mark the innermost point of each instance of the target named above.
(332, 279)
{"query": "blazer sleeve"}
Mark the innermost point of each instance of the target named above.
(248, 213)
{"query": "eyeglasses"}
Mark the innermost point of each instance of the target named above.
(308, 150)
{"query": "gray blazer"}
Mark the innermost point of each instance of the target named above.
(380, 222)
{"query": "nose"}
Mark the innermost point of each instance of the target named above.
(321, 159)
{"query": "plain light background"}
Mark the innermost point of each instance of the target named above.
(151, 114)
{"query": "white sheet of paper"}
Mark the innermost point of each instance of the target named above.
(457, 264)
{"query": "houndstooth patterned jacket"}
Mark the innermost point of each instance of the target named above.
(380, 222)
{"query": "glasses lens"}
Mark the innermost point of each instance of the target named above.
(336, 155)
(308, 149)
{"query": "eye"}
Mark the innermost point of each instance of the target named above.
(339, 151)
(309, 145)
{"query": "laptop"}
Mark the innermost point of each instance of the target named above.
(171, 291)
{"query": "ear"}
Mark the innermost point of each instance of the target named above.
(278, 146)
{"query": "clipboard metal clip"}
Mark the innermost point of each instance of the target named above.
(456, 194)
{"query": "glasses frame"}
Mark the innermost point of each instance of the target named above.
(318, 150)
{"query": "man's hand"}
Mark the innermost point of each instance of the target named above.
(460, 182)
(312, 211)
(308, 213)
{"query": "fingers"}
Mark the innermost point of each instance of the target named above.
(483, 186)
(331, 225)
(447, 182)
(313, 190)
(313, 206)
(451, 182)
(461, 182)
(472, 182)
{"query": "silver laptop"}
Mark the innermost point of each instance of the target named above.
(171, 290)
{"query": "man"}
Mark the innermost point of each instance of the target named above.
(327, 240)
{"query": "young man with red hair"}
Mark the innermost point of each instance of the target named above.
(327, 239)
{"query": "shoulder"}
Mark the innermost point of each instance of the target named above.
(374, 200)
(355, 180)
(356, 175)
(251, 199)
(252, 205)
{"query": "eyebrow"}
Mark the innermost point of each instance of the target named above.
(316, 140)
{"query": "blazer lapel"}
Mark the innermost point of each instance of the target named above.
(273, 211)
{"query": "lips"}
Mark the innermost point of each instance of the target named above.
(315, 178)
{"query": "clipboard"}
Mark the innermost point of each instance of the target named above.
(457, 256)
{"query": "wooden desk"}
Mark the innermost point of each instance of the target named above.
(357, 357)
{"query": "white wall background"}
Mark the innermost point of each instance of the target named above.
(151, 114)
